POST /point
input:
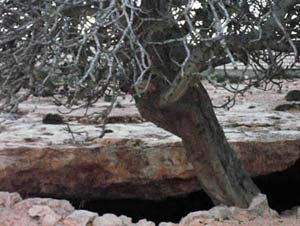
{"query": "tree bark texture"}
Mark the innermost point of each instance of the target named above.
(217, 167)
(191, 116)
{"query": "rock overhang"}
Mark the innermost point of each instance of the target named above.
(134, 160)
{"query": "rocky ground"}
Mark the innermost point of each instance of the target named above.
(134, 159)
(50, 212)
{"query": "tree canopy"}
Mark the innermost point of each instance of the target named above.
(88, 47)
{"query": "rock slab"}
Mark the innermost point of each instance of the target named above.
(136, 159)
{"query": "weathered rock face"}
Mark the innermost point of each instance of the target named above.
(136, 159)
(51, 212)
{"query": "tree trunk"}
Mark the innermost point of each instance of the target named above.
(217, 167)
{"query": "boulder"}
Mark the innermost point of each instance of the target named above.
(60, 207)
(80, 218)
(293, 95)
(260, 207)
(144, 222)
(218, 213)
(288, 107)
(294, 212)
(7, 200)
(10, 217)
(108, 220)
(46, 216)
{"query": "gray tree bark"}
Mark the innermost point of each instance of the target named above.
(217, 167)
(190, 115)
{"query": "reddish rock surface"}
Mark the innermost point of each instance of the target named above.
(136, 159)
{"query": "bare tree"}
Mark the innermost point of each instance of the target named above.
(158, 51)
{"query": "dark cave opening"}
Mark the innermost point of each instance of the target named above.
(168, 210)
(281, 188)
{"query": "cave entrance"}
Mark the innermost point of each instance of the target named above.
(168, 210)
(281, 188)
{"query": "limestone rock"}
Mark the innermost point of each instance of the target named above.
(167, 224)
(10, 217)
(61, 207)
(109, 220)
(218, 213)
(144, 222)
(294, 212)
(125, 220)
(136, 159)
(187, 220)
(38, 214)
(9, 199)
(240, 214)
(47, 217)
(260, 207)
(221, 213)
(79, 218)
